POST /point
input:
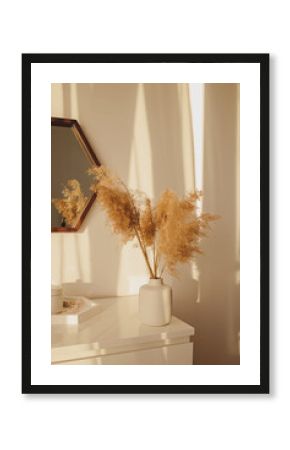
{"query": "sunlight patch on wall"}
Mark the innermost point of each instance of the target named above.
(186, 136)
(131, 262)
(70, 258)
(140, 177)
(197, 113)
(64, 100)
(195, 273)
(74, 106)
(84, 255)
(71, 263)
(135, 282)
(194, 270)
(56, 258)
(57, 106)
(140, 170)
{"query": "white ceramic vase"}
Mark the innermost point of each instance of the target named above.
(155, 300)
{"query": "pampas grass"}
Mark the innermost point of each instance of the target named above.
(168, 233)
(73, 202)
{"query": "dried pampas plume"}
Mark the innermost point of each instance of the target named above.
(73, 202)
(167, 234)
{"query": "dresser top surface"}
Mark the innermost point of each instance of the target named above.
(116, 322)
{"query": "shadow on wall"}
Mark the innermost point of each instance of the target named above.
(207, 295)
(218, 313)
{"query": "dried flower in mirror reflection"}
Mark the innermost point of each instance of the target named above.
(167, 234)
(73, 202)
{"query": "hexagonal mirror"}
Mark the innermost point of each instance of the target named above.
(71, 158)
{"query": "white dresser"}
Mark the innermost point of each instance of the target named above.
(115, 335)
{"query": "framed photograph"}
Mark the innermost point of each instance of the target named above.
(145, 207)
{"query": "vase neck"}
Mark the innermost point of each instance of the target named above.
(155, 281)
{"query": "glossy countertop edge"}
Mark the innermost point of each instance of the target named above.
(84, 351)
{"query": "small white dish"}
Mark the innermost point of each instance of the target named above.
(75, 310)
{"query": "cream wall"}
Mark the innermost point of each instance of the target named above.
(144, 133)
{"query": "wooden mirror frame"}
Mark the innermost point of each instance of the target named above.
(87, 149)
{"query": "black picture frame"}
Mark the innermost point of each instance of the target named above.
(263, 61)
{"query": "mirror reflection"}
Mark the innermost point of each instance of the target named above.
(71, 158)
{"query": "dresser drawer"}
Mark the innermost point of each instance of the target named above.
(171, 354)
